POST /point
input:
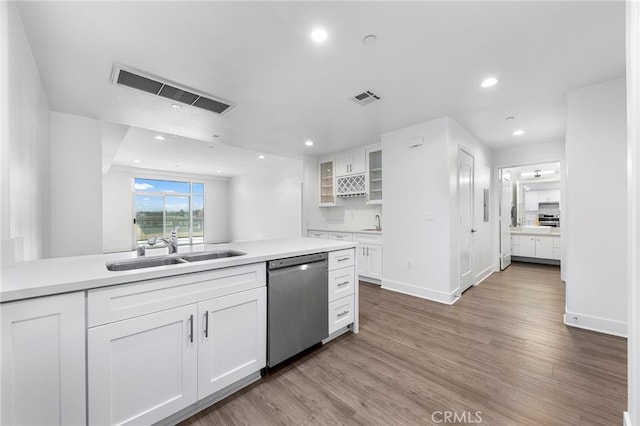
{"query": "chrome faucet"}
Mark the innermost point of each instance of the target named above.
(378, 227)
(172, 242)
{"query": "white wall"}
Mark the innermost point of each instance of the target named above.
(267, 203)
(25, 147)
(118, 208)
(76, 185)
(596, 156)
(632, 416)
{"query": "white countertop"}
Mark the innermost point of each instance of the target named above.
(339, 229)
(534, 231)
(66, 274)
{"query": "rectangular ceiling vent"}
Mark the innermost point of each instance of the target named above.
(367, 97)
(156, 86)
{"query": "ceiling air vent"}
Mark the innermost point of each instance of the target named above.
(128, 77)
(365, 98)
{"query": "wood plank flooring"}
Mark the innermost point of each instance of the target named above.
(499, 356)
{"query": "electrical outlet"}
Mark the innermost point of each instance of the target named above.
(409, 263)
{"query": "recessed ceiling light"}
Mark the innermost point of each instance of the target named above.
(518, 132)
(491, 81)
(137, 161)
(319, 35)
(218, 171)
(369, 40)
(159, 137)
(176, 106)
(261, 157)
(309, 143)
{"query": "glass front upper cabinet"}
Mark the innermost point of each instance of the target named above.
(326, 169)
(374, 175)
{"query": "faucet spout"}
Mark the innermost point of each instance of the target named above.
(378, 226)
(171, 242)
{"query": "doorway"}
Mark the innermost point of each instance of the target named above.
(530, 214)
(465, 212)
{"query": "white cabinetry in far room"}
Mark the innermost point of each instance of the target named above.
(369, 252)
(157, 347)
(350, 162)
(326, 182)
(531, 200)
(43, 361)
(374, 175)
(536, 246)
(549, 196)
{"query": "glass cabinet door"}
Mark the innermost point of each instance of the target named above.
(327, 183)
(374, 176)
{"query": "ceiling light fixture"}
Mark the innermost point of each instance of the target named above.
(261, 157)
(176, 106)
(309, 143)
(488, 82)
(218, 171)
(137, 161)
(538, 173)
(319, 35)
(159, 137)
(518, 132)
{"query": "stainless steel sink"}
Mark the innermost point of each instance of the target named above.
(150, 262)
(208, 255)
(127, 265)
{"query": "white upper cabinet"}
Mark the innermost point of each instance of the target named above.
(374, 175)
(350, 162)
(531, 201)
(549, 196)
(327, 182)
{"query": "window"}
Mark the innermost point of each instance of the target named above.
(162, 205)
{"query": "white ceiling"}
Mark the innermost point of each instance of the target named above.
(428, 62)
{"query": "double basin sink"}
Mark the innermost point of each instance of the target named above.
(150, 262)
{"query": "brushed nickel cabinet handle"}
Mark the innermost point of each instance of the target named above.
(343, 314)
(191, 328)
(206, 324)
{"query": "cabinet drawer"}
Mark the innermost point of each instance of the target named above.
(340, 313)
(341, 283)
(111, 304)
(317, 234)
(341, 259)
(342, 236)
(368, 238)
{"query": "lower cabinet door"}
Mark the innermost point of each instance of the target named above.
(143, 369)
(374, 261)
(43, 361)
(232, 339)
(340, 313)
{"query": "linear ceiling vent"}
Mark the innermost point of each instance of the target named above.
(367, 97)
(156, 86)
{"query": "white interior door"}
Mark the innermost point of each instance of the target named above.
(465, 210)
(505, 219)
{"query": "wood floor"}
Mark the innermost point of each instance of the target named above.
(499, 356)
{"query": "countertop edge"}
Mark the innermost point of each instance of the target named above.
(104, 278)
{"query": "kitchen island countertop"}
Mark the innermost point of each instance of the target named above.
(67, 274)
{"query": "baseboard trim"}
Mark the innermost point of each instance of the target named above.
(600, 325)
(369, 280)
(626, 420)
(421, 292)
(483, 275)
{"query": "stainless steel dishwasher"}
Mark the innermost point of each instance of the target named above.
(298, 305)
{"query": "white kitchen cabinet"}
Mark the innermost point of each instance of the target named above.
(374, 175)
(233, 340)
(343, 290)
(341, 236)
(317, 234)
(536, 246)
(43, 361)
(327, 182)
(369, 253)
(549, 196)
(350, 162)
(515, 245)
(531, 200)
(144, 369)
(158, 346)
(556, 247)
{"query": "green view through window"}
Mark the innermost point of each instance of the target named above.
(161, 205)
